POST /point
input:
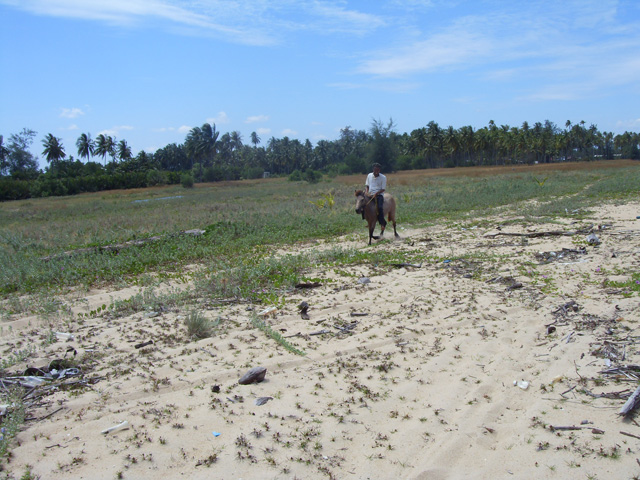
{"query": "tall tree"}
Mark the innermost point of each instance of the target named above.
(201, 144)
(382, 149)
(85, 146)
(4, 156)
(20, 161)
(255, 139)
(53, 149)
(124, 151)
(101, 146)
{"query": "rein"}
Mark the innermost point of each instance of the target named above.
(370, 199)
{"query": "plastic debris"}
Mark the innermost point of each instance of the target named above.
(523, 384)
(116, 428)
(216, 434)
(592, 239)
(64, 336)
(267, 311)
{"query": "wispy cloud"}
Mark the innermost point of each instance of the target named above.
(288, 132)
(219, 119)
(576, 49)
(71, 112)
(257, 119)
(263, 131)
(249, 22)
(115, 131)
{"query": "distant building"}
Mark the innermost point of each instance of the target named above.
(266, 174)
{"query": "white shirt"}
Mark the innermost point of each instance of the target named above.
(376, 183)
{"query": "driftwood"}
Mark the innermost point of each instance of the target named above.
(555, 233)
(632, 403)
(553, 428)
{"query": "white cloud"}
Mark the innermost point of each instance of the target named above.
(184, 129)
(115, 131)
(263, 131)
(72, 127)
(71, 112)
(219, 119)
(257, 118)
(335, 18)
(288, 132)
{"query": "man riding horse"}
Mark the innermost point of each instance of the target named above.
(375, 186)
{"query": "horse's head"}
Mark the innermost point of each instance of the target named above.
(361, 202)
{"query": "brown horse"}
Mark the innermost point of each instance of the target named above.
(366, 206)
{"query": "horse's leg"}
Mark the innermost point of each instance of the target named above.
(372, 226)
(392, 219)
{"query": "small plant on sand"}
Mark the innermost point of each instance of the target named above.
(256, 322)
(198, 326)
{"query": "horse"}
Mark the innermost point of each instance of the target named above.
(366, 206)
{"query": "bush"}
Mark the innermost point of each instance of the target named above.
(186, 179)
(155, 177)
(253, 172)
(295, 176)
(312, 176)
(198, 326)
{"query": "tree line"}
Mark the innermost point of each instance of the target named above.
(207, 156)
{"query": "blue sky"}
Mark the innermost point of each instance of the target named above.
(147, 71)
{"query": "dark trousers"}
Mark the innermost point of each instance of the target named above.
(380, 205)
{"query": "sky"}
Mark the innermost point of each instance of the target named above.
(147, 71)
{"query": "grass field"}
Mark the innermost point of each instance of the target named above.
(243, 220)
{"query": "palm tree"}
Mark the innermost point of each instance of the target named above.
(124, 151)
(103, 145)
(85, 146)
(201, 143)
(255, 139)
(53, 149)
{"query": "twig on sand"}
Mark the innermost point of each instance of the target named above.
(555, 233)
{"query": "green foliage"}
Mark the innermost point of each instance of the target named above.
(311, 176)
(12, 420)
(186, 180)
(199, 326)
(295, 176)
(156, 177)
(261, 325)
(629, 287)
(327, 200)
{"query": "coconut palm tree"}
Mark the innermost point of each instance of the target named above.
(124, 151)
(255, 139)
(53, 149)
(103, 145)
(85, 146)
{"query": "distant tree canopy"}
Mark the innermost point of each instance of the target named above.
(207, 155)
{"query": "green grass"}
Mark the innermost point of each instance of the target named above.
(244, 221)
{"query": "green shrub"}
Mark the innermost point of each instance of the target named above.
(198, 326)
(186, 179)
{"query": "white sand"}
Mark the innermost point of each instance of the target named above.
(421, 389)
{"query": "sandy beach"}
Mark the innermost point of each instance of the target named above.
(489, 361)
